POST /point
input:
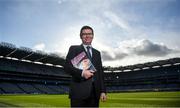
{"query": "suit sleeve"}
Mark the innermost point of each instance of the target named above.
(68, 67)
(103, 88)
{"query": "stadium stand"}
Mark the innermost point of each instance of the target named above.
(162, 75)
(24, 71)
(29, 72)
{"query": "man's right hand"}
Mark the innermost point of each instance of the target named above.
(87, 74)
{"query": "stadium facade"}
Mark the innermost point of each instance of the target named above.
(25, 71)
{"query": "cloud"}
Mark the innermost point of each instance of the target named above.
(115, 19)
(69, 36)
(116, 56)
(43, 49)
(61, 1)
(135, 51)
(134, 47)
(39, 46)
(145, 47)
(148, 48)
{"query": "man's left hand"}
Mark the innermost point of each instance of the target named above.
(103, 97)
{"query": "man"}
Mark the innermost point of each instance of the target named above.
(87, 86)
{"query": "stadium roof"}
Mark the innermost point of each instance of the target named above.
(160, 63)
(8, 50)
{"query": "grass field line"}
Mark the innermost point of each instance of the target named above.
(132, 105)
(172, 99)
(34, 105)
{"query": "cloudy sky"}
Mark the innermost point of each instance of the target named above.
(126, 31)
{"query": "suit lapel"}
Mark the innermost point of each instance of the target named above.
(82, 48)
(93, 56)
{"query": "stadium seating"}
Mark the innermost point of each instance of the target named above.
(154, 79)
(30, 78)
(10, 88)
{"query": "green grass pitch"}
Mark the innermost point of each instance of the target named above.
(136, 99)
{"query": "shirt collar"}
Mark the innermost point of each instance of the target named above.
(86, 46)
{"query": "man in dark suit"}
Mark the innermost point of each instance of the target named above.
(87, 86)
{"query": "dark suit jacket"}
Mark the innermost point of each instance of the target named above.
(80, 88)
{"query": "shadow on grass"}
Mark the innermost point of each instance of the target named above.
(4, 104)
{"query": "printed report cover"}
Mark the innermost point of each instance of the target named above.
(81, 61)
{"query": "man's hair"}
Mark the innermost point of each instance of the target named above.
(86, 27)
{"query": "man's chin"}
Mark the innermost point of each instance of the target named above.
(87, 43)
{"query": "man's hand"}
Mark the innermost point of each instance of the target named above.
(103, 97)
(87, 73)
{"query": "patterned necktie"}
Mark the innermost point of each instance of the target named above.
(88, 52)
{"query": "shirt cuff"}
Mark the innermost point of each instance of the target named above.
(82, 73)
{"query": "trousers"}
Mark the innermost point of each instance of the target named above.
(91, 101)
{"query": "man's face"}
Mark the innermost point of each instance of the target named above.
(87, 36)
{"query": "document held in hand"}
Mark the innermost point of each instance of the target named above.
(81, 61)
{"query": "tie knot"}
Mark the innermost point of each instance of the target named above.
(88, 47)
